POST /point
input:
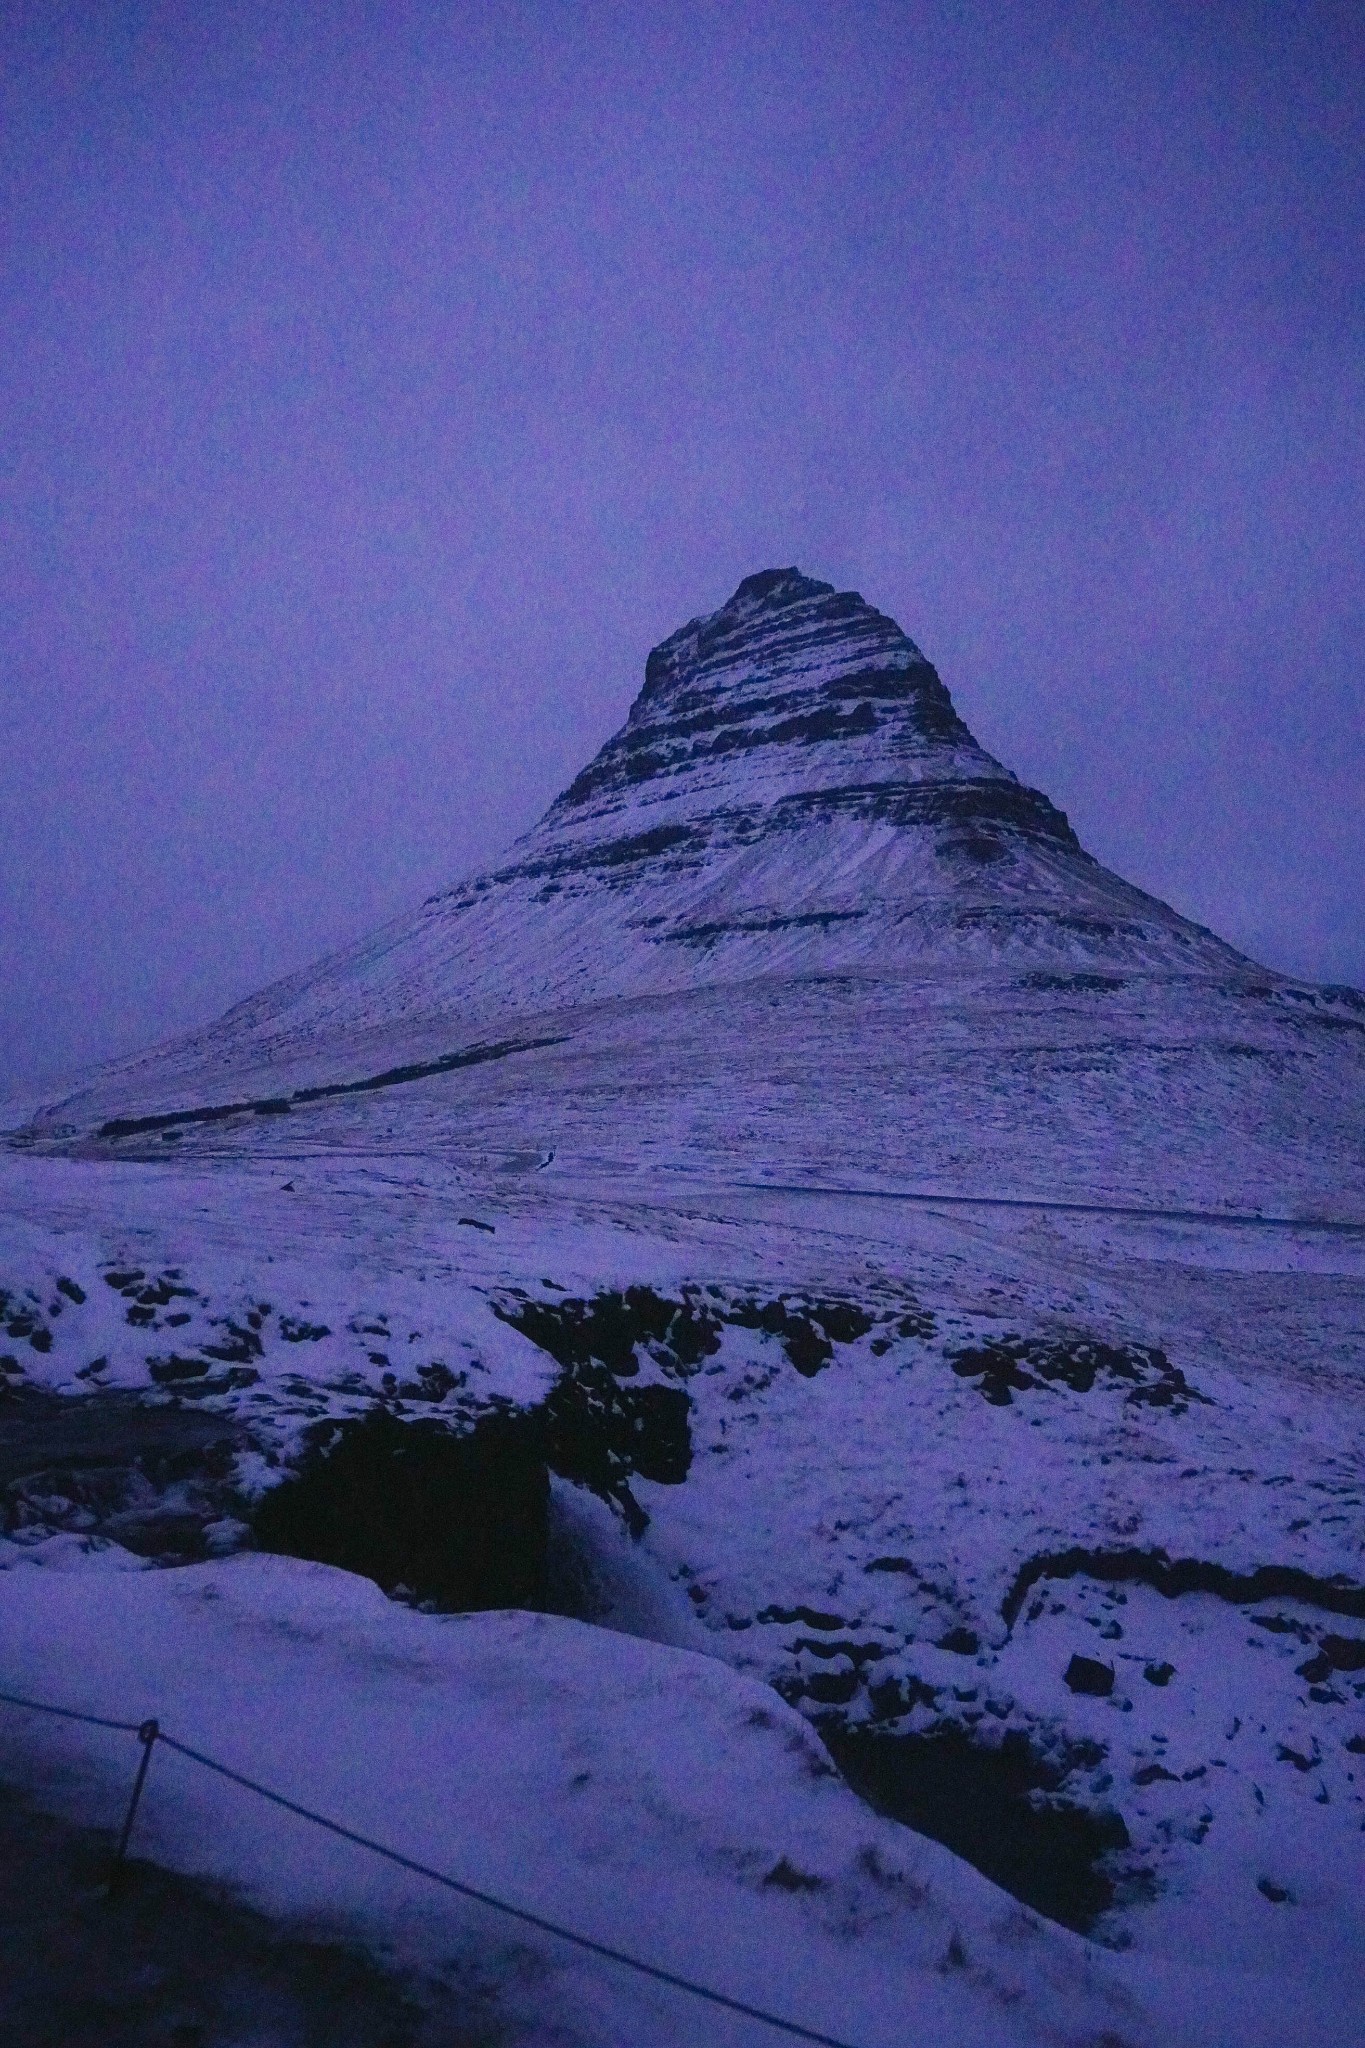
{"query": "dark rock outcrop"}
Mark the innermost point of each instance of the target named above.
(458, 1520)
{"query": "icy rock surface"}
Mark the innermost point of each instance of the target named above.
(935, 1265)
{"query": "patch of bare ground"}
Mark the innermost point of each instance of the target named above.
(170, 1962)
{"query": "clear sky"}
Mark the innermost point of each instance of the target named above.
(379, 382)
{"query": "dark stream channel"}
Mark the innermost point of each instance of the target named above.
(463, 1522)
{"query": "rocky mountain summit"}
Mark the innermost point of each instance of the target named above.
(798, 1207)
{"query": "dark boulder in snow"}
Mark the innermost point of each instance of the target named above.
(1087, 1674)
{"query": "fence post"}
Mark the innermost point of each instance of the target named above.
(146, 1735)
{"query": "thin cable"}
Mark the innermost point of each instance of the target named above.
(522, 1913)
(15, 1699)
(454, 1884)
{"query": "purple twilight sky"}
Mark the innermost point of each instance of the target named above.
(379, 382)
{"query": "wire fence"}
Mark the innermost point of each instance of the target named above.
(150, 1732)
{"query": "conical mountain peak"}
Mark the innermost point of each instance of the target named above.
(791, 685)
(792, 797)
(777, 587)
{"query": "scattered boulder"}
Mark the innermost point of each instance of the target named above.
(1088, 1675)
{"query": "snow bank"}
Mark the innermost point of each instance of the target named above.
(648, 1797)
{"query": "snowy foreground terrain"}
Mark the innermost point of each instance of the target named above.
(889, 1294)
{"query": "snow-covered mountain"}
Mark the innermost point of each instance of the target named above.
(792, 796)
(793, 861)
(929, 1268)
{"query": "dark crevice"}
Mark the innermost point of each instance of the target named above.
(607, 1327)
(1172, 1577)
(997, 1808)
(461, 1519)
(808, 1330)
(600, 1433)
(705, 934)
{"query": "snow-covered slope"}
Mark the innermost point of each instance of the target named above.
(526, 1754)
(920, 1258)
